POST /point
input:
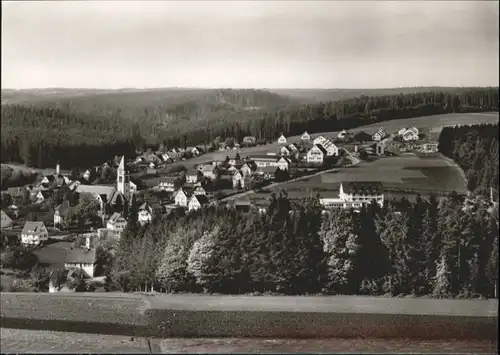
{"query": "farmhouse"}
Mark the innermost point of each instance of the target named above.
(330, 148)
(168, 184)
(264, 160)
(316, 154)
(192, 176)
(181, 198)
(116, 222)
(282, 139)
(6, 221)
(34, 233)
(305, 137)
(145, 214)
(410, 134)
(380, 134)
(283, 163)
(82, 259)
(197, 201)
(319, 140)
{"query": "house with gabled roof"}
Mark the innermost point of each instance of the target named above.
(282, 139)
(197, 201)
(319, 140)
(192, 176)
(380, 134)
(34, 233)
(82, 259)
(240, 180)
(283, 163)
(284, 151)
(209, 171)
(305, 137)
(6, 221)
(316, 155)
(181, 198)
(168, 183)
(116, 222)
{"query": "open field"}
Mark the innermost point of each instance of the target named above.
(404, 175)
(251, 316)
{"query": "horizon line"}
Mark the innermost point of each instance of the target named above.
(247, 88)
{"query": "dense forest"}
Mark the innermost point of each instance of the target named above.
(475, 150)
(423, 248)
(73, 130)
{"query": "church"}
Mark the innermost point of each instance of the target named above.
(110, 196)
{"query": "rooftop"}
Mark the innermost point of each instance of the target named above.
(81, 256)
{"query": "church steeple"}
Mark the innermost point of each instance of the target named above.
(123, 180)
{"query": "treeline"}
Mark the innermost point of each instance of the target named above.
(110, 121)
(424, 248)
(42, 137)
(475, 149)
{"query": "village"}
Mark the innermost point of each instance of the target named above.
(93, 209)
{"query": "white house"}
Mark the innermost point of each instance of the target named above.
(116, 222)
(181, 198)
(196, 202)
(195, 151)
(83, 259)
(284, 151)
(330, 148)
(316, 154)
(192, 177)
(355, 194)
(401, 131)
(34, 233)
(145, 214)
(6, 221)
(305, 137)
(168, 184)
(342, 134)
(319, 140)
(240, 180)
(264, 160)
(282, 139)
(62, 213)
(380, 134)
(411, 134)
(133, 188)
(283, 163)
(86, 175)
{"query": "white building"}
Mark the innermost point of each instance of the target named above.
(355, 194)
(199, 190)
(330, 148)
(305, 137)
(34, 233)
(283, 163)
(240, 180)
(411, 134)
(246, 170)
(316, 154)
(83, 259)
(145, 214)
(116, 222)
(196, 202)
(284, 151)
(181, 198)
(168, 184)
(319, 140)
(282, 139)
(380, 134)
(192, 177)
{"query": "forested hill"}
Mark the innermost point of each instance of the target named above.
(323, 95)
(75, 131)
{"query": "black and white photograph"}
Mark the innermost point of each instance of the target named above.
(252, 176)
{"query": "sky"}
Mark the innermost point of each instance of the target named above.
(249, 44)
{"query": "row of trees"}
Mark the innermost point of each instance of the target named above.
(84, 131)
(475, 149)
(422, 248)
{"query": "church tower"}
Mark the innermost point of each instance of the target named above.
(123, 180)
